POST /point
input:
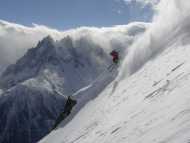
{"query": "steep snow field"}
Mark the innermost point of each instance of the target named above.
(150, 106)
(149, 101)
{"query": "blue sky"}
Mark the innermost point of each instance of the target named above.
(66, 14)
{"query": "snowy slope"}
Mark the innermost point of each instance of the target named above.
(150, 106)
(149, 101)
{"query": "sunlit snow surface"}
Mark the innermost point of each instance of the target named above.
(149, 102)
(150, 106)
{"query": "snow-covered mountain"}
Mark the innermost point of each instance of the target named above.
(33, 91)
(149, 100)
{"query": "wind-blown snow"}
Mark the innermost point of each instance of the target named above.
(149, 102)
(169, 25)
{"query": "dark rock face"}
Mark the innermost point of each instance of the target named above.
(28, 114)
(30, 64)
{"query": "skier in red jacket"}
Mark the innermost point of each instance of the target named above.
(115, 56)
(115, 59)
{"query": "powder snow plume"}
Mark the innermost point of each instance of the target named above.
(170, 25)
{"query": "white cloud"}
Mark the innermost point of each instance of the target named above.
(15, 39)
(144, 2)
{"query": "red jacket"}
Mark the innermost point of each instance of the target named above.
(114, 55)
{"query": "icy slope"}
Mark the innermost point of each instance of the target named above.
(150, 106)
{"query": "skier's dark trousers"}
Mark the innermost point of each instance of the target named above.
(67, 110)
